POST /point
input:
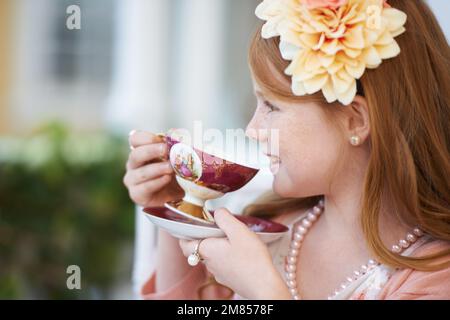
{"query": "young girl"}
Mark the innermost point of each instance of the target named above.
(359, 91)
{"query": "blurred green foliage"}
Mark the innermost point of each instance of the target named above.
(62, 202)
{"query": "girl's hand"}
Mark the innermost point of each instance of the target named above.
(241, 261)
(149, 177)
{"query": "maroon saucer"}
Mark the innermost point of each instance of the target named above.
(253, 223)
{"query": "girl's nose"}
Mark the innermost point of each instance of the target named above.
(256, 130)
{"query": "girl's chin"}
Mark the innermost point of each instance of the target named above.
(284, 187)
(281, 185)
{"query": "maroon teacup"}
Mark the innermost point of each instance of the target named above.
(204, 173)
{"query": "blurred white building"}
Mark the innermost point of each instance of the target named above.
(149, 64)
(134, 63)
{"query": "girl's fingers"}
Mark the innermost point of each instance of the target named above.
(232, 227)
(147, 172)
(146, 153)
(188, 246)
(140, 138)
(206, 248)
(146, 189)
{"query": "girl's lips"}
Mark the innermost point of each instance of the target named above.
(274, 164)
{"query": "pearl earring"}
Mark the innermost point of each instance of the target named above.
(355, 141)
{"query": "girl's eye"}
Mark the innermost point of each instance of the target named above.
(270, 106)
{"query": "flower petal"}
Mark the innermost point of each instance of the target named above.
(296, 67)
(267, 9)
(372, 58)
(270, 28)
(325, 60)
(354, 38)
(288, 50)
(371, 36)
(384, 39)
(341, 81)
(335, 67)
(328, 92)
(356, 71)
(312, 62)
(398, 32)
(309, 40)
(297, 88)
(395, 18)
(348, 96)
(331, 47)
(390, 51)
(315, 84)
(352, 53)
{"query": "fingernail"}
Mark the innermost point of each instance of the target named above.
(132, 132)
(162, 136)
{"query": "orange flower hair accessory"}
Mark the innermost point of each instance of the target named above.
(330, 43)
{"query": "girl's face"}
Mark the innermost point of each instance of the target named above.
(308, 145)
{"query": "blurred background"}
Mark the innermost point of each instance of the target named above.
(68, 99)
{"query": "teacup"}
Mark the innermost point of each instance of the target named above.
(204, 173)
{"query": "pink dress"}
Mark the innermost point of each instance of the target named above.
(381, 283)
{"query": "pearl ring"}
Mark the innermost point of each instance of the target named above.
(194, 258)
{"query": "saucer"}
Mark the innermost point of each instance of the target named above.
(183, 227)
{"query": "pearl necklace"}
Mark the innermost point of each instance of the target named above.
(302, 227)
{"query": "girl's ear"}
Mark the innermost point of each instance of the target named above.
(356, 122)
